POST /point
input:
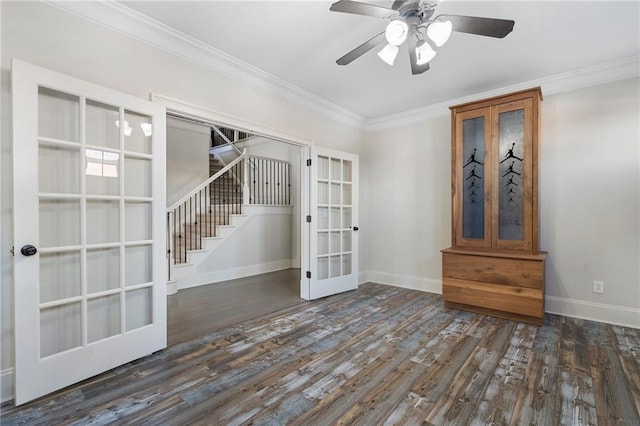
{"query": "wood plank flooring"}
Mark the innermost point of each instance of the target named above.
(195, 312)
(377, 355)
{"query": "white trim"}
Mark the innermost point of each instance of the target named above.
(172, 287)
(124, 20)
(6, 384)
(188, 126)
(233, 273)
(266, 210)
(186, 109)
(404, 281)
(564, 82)
(611, 314)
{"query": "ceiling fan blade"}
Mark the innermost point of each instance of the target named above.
(358, 8)
(362, 49)
(416, 69)
(489, 27)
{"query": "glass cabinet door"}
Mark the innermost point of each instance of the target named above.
(472, 207)
(513, 162)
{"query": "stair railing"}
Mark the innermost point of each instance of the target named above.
(269, 181)
(198, 214)
(245, 180)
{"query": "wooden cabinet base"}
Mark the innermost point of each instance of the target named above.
(493, 313)
(493, 283)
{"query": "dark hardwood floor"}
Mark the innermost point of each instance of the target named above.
(377, 355)
(198, 311)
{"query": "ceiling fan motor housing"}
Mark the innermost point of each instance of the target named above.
(415, 8)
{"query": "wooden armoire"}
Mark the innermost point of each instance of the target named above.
(494, 265)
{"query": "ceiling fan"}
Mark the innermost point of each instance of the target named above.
(411, 21)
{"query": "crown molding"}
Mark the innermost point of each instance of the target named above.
(564, 82)
(124, 20)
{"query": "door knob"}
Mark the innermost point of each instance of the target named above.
(28, 250)
(355, 228)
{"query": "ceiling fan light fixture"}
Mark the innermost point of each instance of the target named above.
(439, 32)
(388, 53)
(396, 32)
(424, 52)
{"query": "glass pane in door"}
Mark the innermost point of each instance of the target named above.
(103, 317)
(103, 269)
(59, 169)
(511, 172)
(58, 115)
(60, 328)
(59, 276)
(102, 125)
(137, 173)
(138, 264)
(137, 133)
(473, 178)
(138, 223)
(139, 308)
(59, 222)
(103, 221)
(102, 172)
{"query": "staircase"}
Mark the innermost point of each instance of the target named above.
(207, 210)
(200, 222)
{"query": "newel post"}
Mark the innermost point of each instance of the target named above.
(245, 178)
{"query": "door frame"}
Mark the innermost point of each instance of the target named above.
(189, 111)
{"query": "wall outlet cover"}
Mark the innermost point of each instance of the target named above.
(598, 286)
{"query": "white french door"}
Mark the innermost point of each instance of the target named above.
(333, 236)
(89, 230)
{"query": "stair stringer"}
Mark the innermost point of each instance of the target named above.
(195, 272)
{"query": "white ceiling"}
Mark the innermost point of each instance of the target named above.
(299, 41)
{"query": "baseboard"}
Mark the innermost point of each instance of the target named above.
(6, 384)
(611, 314)
(233, 273)
(405, 281)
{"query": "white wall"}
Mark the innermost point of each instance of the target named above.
(409, 174)
(269, 148)
(261, 244)
(589, 202)
(43, 35)
(187, 157)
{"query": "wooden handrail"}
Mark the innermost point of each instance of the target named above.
(207, 182)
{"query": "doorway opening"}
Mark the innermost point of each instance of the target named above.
(235, 241)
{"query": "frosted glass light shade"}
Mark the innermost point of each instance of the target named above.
(439, 32)
(424, 53)
(396, 32)
(388, 53)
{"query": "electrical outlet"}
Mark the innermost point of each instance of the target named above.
(598, 286)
